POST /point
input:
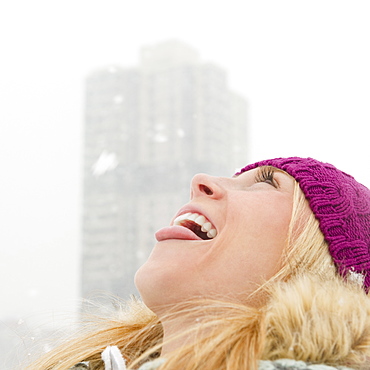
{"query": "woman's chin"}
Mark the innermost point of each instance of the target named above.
(161, 287)
(140, 279)
(151, 284)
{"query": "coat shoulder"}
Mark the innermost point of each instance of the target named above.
(289, 364)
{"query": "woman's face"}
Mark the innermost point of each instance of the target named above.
(249, 214)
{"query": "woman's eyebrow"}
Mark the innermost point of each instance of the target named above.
(241, 173)
(275, 169)
(279, 170)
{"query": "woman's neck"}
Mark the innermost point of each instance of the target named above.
(179, 332)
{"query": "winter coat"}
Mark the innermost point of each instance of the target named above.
(313, 325)
(283, 364)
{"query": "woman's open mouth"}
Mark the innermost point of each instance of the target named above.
(198, 224)
(188, 226)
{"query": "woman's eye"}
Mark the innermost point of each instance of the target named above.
(266, 174)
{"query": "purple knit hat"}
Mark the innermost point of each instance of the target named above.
(342, 206)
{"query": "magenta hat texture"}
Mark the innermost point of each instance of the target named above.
(342, 206)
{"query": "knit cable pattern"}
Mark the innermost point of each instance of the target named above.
(342, 206)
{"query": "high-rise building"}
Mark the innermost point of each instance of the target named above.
(148, 130)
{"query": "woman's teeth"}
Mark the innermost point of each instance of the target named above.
(205, 226)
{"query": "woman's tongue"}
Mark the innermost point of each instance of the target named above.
(176, 232)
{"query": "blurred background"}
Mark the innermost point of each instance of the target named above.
(109, 108)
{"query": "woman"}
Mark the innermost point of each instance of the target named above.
(266, 270)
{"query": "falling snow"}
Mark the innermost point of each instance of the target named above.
(118, 99)
(160, 138)
(105, 163)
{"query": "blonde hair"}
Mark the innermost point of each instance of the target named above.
(236, 333)
(307, 249)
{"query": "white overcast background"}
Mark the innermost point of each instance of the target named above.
(303, 66)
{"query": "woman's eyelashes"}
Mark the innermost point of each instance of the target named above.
(266, 174)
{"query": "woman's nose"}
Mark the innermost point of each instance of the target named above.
(206, 185)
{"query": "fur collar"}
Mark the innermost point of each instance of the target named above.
(319, 321)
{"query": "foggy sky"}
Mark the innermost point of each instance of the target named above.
(302, 66)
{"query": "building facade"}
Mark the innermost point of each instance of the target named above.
(148, 130)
